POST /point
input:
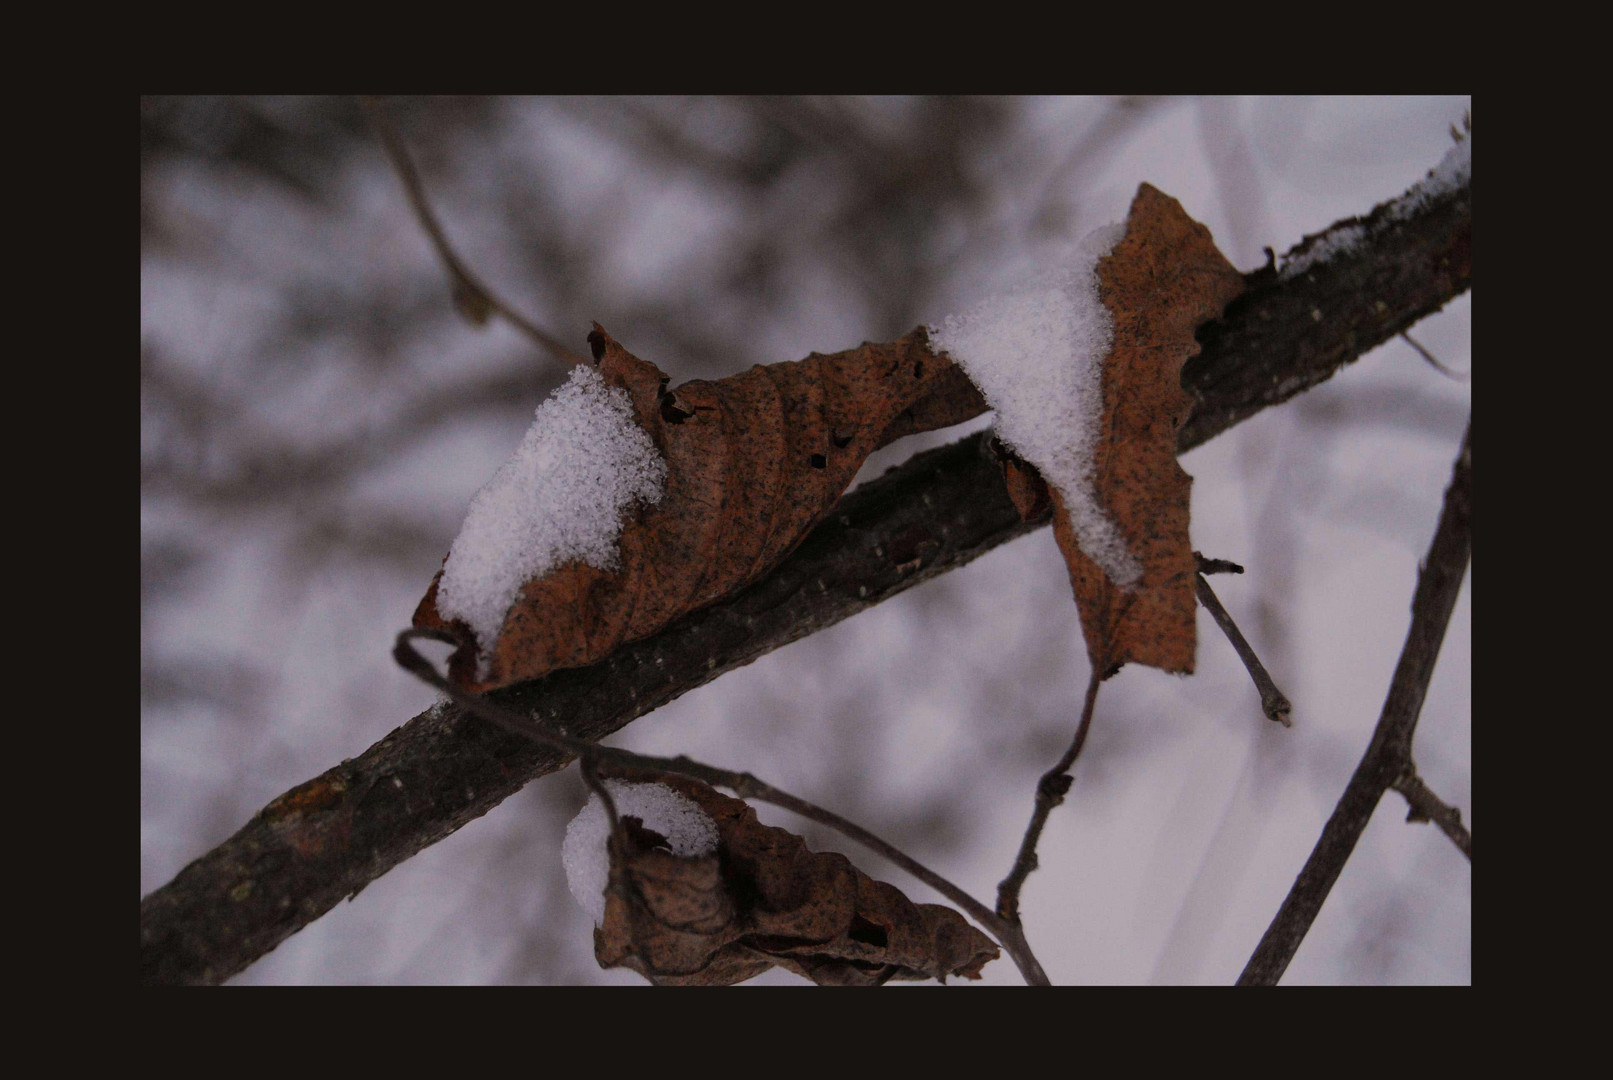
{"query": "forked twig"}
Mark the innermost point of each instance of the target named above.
(1388, 758)
(1050, 792)
(1008, 934)
(472, 299)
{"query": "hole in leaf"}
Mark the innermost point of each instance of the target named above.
(918, 369)
(818, 461)
(867, 932)
(596, 345)
(841, 441)
(670, 411)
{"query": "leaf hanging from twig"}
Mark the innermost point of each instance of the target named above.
(764, 899)
(1163, 279)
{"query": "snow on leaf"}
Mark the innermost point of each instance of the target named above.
(1084, 370)
(1161, 282)
(752, 462)
(561, 498)
(685, 829)
(764, 899)
(1037, 354)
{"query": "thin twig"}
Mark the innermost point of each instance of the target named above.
(1009, 935)
(1459, 376)
(1050, 792)
(1426, 806)
(472, 299)
(588, 765)
(1273, 702)
(1388, 757)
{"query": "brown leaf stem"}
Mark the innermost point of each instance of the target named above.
(472, 299)
(1273, 702)
(940, 510)
(1388, 757)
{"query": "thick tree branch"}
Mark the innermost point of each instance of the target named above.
(330, 837)
(1388, 758)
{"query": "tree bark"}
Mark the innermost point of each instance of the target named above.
(331, 836)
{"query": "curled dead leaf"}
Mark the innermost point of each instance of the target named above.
(765, 899)
(1162, 281)
(754, 461)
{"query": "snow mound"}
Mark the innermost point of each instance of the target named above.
(562, 498)
(689, 832)
(1036, 352)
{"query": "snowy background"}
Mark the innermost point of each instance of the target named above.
(315, 420)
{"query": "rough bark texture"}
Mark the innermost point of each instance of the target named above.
(330, 837)
(1282, 337)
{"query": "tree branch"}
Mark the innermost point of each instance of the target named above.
(1426, 806)
(330, 837)
(1050, 792)
(1388, 757)
(472, 299)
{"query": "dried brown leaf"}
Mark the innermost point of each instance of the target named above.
(765, 899)
(1162, 281)
(754, 461)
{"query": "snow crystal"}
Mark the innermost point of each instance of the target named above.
(689, 831)
(1037, 353)
(1453, 170)
(561, 498)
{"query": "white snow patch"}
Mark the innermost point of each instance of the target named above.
(562, 498)
(1036, 352)
(1453, 170)
(1324, 249)
(689, 832)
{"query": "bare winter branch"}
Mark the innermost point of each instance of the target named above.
(1388, 758)
(1050, 792)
